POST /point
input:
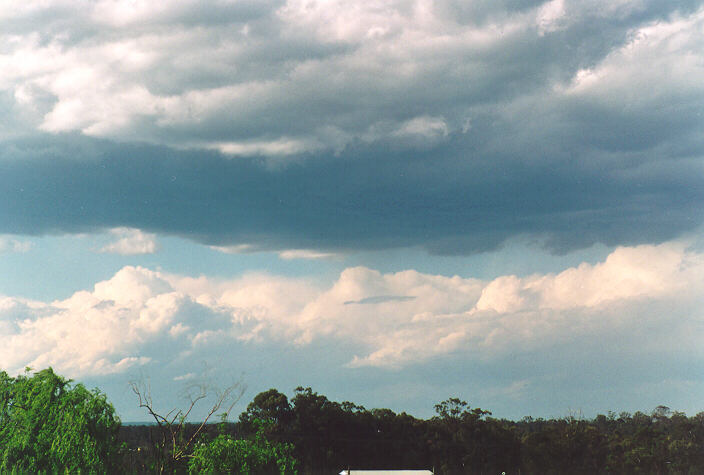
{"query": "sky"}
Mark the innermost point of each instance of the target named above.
(393, 202)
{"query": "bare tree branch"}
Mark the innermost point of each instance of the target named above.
(172, 425)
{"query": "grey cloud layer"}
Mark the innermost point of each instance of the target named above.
(448, 125)
(301, 74)
(364, 199)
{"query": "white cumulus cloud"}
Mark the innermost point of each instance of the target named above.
(131, 241)
(399, 319)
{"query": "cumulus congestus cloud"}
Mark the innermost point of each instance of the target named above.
(140, 315)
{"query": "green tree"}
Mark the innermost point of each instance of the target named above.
(273, 409)
(252, 456)
(463, 441)
(47, 424)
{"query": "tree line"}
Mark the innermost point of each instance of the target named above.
(49, 424)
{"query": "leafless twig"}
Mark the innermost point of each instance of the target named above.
(171, 425)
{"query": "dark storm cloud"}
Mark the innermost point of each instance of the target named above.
(443, 198)
(453, 126)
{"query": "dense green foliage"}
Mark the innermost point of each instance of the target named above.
(49, 425)
(661, 442)
(329, 436)
(326, 437)
(255, 455)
